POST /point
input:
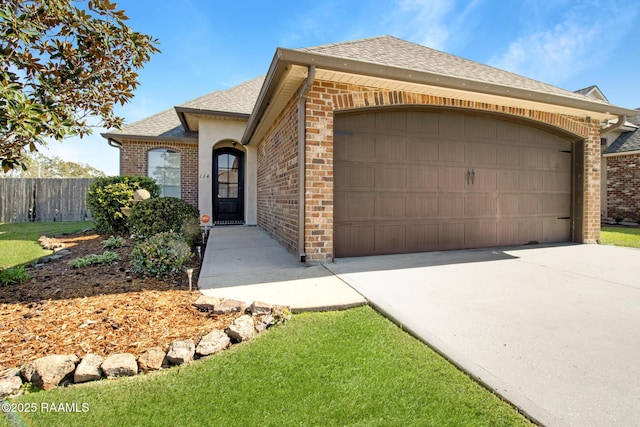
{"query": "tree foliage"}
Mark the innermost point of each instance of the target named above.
(41, 166)
(62, 61)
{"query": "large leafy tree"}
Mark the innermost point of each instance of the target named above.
(62, 62)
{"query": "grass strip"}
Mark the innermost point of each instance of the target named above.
(351, 368)
(19, 241)
(620, 236)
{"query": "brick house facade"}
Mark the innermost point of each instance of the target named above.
(282, 127)
(134, 156)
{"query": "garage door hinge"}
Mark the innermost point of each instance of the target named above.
(565, 151)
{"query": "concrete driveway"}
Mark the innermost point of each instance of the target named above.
(555, 330)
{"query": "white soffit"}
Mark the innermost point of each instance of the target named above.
(395, 85)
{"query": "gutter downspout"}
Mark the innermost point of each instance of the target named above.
(302, 118)
(614, 126)
(118, 145)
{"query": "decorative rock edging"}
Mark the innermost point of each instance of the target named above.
(60, 370)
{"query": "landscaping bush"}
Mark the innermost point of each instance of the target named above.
(108, 194)
(160, 255)
(163, 214)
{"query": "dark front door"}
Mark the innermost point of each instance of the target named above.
(228, 194)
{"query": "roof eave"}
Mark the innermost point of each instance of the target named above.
(120, 137)
(428, 78)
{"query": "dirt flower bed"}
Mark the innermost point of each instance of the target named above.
(97, 309)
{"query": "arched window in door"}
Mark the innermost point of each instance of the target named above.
(164, 167)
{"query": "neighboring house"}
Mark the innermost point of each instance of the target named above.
(620, 186)
(380, 146)
(622, 172)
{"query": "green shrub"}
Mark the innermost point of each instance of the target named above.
(14, 275)
(163, 214)
(107, 258)
(160, 255)
(108, 194)
(113, 242)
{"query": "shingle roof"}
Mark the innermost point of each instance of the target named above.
(164, 125)
(628, 141)
(391, 51)
(238, 99)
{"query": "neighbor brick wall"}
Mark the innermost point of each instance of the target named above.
(277, 190)
(133, 161)
(278, 167)
(623, 186)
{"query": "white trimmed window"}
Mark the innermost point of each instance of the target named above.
(164, 167)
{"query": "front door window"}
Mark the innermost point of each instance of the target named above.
(228, 198)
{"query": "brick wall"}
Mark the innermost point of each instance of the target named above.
(133, 161)
(623, 186)
(277, 190)
(326, 97)
(278, 171)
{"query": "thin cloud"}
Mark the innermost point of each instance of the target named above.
(569, 47)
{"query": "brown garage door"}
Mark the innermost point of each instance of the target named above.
(412, 181)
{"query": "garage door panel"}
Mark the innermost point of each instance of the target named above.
(531, 159)
(556, 205)
(355, 206)
(556, 182)
(421, 178)
(531, 181)
(451, 207)
(350, 176)
(405, 186)
(390, 178)
(391, 120)
(481, 205)
(451, 236)
(481, 154)
(508, 205)
(390, 238)
(422, 237)
(530, 230)
(508, 157)
(507, 131)
(451, 125)
(451, 179)
(422, 150)
(555, 230)
(390, 147)
(390, 207)
(480, 128)
(421, 206)
(354, 240)
(530, 204)
(508, 233)
(484, 180)
(478, 234)
(507, 180)
(423, 123)
(451, 152)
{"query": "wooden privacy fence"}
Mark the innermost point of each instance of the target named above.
(44, 199)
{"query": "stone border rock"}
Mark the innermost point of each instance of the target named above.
(61, 370)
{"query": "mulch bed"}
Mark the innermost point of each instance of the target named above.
(97, 309)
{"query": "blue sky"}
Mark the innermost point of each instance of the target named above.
(212, 45)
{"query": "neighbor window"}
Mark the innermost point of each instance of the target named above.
(164, 167)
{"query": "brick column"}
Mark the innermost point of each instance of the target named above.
(592, 173)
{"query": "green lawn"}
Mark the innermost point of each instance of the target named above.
(19, 241)
(350, 367)
(620, 236)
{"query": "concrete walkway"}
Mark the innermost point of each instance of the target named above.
(246, 264)
(555, 330)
